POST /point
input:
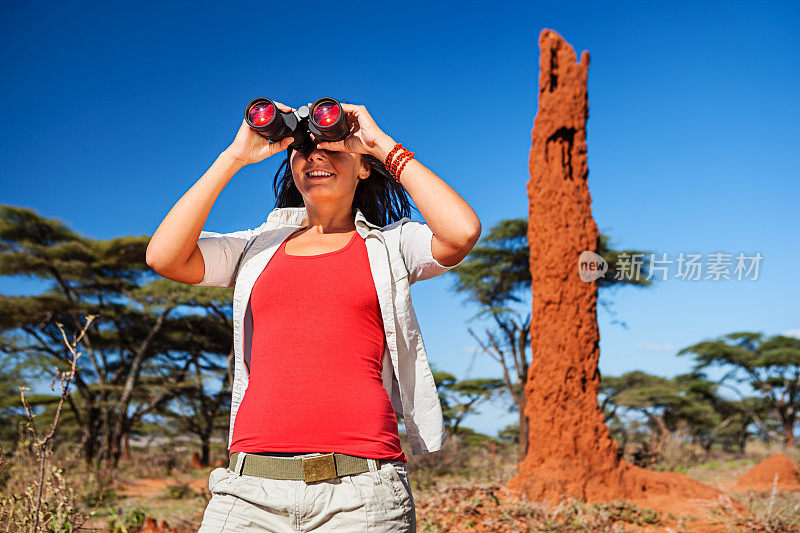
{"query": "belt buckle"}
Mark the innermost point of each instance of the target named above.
(319, 467)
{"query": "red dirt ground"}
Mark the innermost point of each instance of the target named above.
(151, 526)
(761, 477)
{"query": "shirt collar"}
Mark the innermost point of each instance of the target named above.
(293, 216)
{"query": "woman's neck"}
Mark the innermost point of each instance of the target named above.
(328, 222)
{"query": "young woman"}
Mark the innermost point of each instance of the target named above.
(327, 347)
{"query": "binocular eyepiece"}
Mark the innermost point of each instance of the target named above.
(325, 119)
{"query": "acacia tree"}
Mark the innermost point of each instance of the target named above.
(711, 417)
(12, 413)
(688, 400)
(666, 404)
(494, 276)
(137, 352)
(770, 365)
(462, 398)
(203, 406)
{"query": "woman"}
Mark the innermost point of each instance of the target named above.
(327, 346)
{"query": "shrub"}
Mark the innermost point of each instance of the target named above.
(178, 491)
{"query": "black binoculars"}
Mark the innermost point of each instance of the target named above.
(325, 119)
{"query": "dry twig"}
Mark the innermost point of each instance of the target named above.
(43, 445)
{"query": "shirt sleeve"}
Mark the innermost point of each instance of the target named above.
(416, 240)
(221, 254)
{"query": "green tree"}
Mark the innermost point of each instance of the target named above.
(460, 399)
(11, 411)
(203, 406)
(770, 365)
(138, 352)
(658, 399)
(711, 417)
(687, 400)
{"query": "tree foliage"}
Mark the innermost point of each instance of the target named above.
(149, 335)
(769, 365)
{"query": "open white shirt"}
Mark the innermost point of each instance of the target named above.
(399, 255)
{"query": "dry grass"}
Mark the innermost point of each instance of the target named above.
(458, 488)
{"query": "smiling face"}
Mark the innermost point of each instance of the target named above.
(345, 169)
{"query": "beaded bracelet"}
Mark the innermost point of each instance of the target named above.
(396, 166)
(403, 164)
(387, 162)
(393, 167)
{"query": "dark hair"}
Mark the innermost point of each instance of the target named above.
(380, 197)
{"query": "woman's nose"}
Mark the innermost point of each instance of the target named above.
(319, 153)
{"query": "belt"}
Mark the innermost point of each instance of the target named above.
(314, 468)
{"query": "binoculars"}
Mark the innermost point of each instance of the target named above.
(325, 119)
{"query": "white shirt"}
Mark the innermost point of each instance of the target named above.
(399, 255)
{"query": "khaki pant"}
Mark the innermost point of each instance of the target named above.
(378, 500)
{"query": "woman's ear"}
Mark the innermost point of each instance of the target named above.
(366, 169)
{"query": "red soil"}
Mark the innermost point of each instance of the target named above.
(151, 526)
(761, 477)
(148, 487)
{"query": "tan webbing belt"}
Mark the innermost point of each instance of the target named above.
(309, 469)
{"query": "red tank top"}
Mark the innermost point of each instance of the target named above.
(316, 359)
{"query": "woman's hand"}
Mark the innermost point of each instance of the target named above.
(250, 147)
(364, 134)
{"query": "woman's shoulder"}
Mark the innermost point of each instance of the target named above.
(400, 225)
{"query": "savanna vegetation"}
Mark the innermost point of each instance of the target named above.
(115, 395)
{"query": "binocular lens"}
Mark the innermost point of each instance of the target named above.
(324, 119)
(261, 113)
(326, 114)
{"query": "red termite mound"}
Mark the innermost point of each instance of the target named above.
(570, 450)
(151, 526)
(762, 476)
(196, 462)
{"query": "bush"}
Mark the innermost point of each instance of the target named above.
(130, 520)
(178, 491)
(60, 511)
(95, 496)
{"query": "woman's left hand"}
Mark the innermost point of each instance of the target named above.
(364, 133)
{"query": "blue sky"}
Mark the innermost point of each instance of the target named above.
(113, 110)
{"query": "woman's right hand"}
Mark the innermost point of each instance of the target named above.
(250, 147)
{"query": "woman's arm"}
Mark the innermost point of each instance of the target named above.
(454, 224)
(172, 251)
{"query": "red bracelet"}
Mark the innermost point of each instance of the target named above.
(399, 161)
(403, 164)
(402, 155)
(387, 162)
(394, 164)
